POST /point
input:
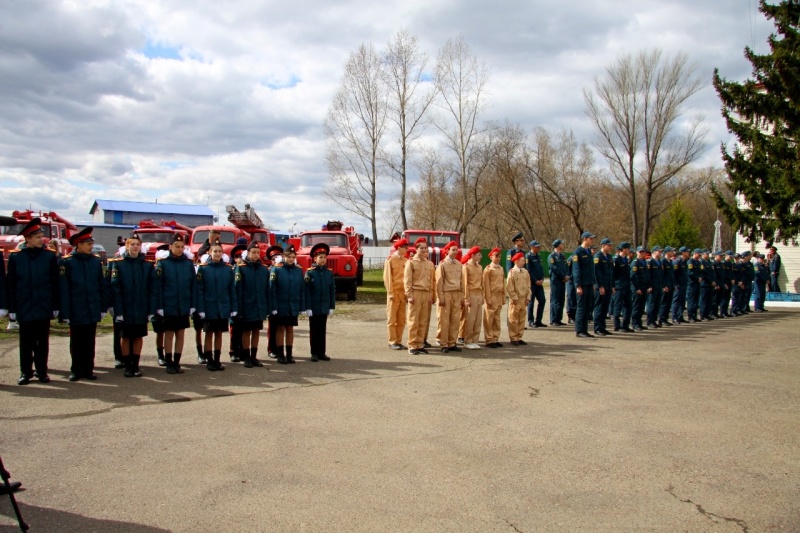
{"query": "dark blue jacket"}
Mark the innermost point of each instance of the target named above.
(749, 272)
(176, 285)
(737, 272)
(83, 288)
(287, 292)
(3, 304)
(719, 273)
(533, 264)
(133, 288)
(622, 273)
(640, 275)
(669, 274)
(216, 292)
(582, 267)
(656, 269)
(32, 286)
(511, 253)
(775, 264)
(680, 273)
(706, 273)
(320, 290)
(558, 268)
(252, 291)
(603, 271)
(693, 271)
(761, 273)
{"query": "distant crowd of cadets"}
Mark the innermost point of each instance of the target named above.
(216, 294)
(657, 286)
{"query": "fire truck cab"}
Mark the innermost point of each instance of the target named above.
(345, 259)
(227, 237)
(54, 226)
(154, 235)
(249, 221)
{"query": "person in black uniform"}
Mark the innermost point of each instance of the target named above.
(749, 278)
(681, 277)
(707, 284)
(622, 288)
(287, 299)
(669, 284)
(694, 276)
(558, 277)
(721, 283)
(519, 244)
(727, 271)
(84, 301)
(760, 284)
(117, 342)
(658, 289)
(252, 296)
(176, 300)
(32, 297)
(320, 300)
(640, 287)
(603, 287)
(774, 269)
(216, 303)
(533, 263)
(583, 279)
(275, 255)
(133, 294)
(235, 347)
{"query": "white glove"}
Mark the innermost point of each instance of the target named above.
(309, 313)
(330, 313)
(201, 314)
(55, 314)
(192, 310)
(118, 319)
(234, 313)
(110, 311)
(3, 312)
(162, 254)
(226, 258)
(160, 312)
(149, 318)
(66, 321)
(12, 316)
(102, 316)
(274, 312)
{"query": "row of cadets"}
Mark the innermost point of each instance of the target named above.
(472, 275)
(494, 296)
(287, 300)
(216, 305)
(449, 291)
(320, 299)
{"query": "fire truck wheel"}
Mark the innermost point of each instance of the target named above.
(360, 275)
(351, 291)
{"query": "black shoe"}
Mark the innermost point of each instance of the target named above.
(128, 372)
(539, 325)
(498, 345)
(395, 347)
(14, 485)
(583, 335)
(248, 363)
(290, 359)
(211, 366)
(637, 328)
(514, 343)
(282, 359)
(692, 321)
(644, 327)
(201, 360)
(414, 352)
(162, 361)
(423, 350)
(272, 355)
(74, 377)
(235, 359)
(91, 377)
(24, 379)
(522, 343)
(445, 350)
(324, 358)
(118, 364)
(667, 323)
(43, 378)
(314, 358)
(531, 325)
(455, 349)
(618, 329)
(256, 362)
(426, 344)
(599, 334)
(606, 332)
(629, 330)
(491, 345)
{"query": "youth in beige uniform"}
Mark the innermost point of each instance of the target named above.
(449, 291)
(472, 274)
(393, 272)
(494, 296)
(519, 295)
(419, 282)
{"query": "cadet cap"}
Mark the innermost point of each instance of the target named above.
(253, 244)
(34, 226)
(668, 249)
(177, 237)
(683, 249)
(557, 243)
(82, 236)
(274, 250)
(657, 248)
(587, 235)
(401, 243)
(624, 246)
(536, 243)
(606, 240)
(320, 248)
(494, 251)
(517, 257)
(516, 237)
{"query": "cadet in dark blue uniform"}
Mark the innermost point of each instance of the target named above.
(725, 299)
(320, 300)
(774, 269)
(133, 295)
(287, 298)
(32, 295)
(603, 287)
(572, 296)
(519, 245)
(760, 285)
(558, 277)
(708, 282)
(669, 283)
(235, 347)
(640, 287)
(719, 283)
(583, 278)
(533, 263)
(216, 303)
(84, 301)
(622, 288)
(694, 275)
(680, 271)
(656, 269)
(252, 297)
(275, 255)
(749, 278)
(176, 300)
(737, 289)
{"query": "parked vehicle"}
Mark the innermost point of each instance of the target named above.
(54, 226)
(346, 259)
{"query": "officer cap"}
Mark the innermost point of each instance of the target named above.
(557, 243)
(718, 253)
(34, 226)
(401, 243)
(697, 251)
(668, 249)
(641, 249)
(320, 248)
(624, 246)
(746, 253)
(606, 240)
(587, 235)
(274, 250)
(494, 251)
(242, 240)
(657, 248)
(728, 252)
(177, 237)
(517, 257)
(83, 235)
(516, 237)
(290, 249)
(683, 249)
(253, 244)
(536, 243)
(235, 251)
(773, 247)
(737, 255)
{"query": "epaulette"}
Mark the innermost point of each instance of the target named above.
(115, 259)
(150, 260)
(202, 264)
(15, 250)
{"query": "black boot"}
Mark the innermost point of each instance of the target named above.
(168, 363)
(281, 357)
(119, 362)
(289, 358)
(201, 356)
(135, 364)
(127, 363)
(217, 364)
(161, 360)
(245, 357)
(234, 356)
(210, 365)
(177, 364)
(253, 358)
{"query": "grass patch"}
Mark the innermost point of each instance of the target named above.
(57, 329)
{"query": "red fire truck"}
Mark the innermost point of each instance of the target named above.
(154, 235)
(249, 222)
(346, 259)
(55, 228)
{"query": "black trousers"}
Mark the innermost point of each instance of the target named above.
(272, 336)
(34, 346)
(623, 308)
(556, 301)
(537, 293)
(639, 301)
(583, 309)
(81, 347)
(572, 300)
(678, 303)
(654, 305)
(118, 355)
(317, 328)
(601, 304)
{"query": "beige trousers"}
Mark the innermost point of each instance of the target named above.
(491, 323)
(448, 316)
(516, 320)
(419, 319)
(396, 318)
(472, 318)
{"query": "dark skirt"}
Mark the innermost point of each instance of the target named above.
(284, 321)
(133, 331)
(197, 322)
(215, 325)
(158, 324)
(176, 323)
(251, 325)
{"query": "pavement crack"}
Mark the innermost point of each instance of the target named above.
(511, 524)
(711, 516)
(534, 392)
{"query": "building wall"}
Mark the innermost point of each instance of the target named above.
(789, 278)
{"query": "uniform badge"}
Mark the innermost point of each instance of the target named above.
(199, 275)
(691, 266)
(238, 276)
(114, 272)
(158, 272)
(635, 269)
(307, 278)
(596, 260)
(273, 276)
(508, 257)
(62, 270)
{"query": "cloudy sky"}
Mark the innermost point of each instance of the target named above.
(200, 101)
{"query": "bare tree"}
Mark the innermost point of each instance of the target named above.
(461, 81)
(430, 204)
(354, 129)
(410, 96)
(637, 108)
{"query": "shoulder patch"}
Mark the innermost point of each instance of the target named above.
(238, 276)
(62, 270)
(596, 260)
(200, 275)
(114, 273)
(635, 269)
(273, 276)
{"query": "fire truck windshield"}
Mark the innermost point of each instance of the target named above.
(331, 239)
(16, 228)
(155, 236)
(433, 240)
(259, 237)
(225, 237)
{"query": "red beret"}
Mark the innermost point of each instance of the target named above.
(494, 251)
(517, 256)
(449, 245)
(401, 243)
(474, 250)
(421, 240)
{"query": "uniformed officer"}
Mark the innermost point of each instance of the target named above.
(656, 269)
(157, 321)
(472, 274)
(84, 301)
(393, 270)
(251, 279)
(235, 348)
(737, 287)
(603, 287)
(760, 284)
(680, 271)
(749, 278)
(275, 256)
(494, 296)
(694, 276)
(622, 288)
(708, 282)
(669, 283)
(32, 299)
(518, 289)
(559, 275)
(449, 295)
(216, 303)
(727, 271)
(774, 269)
(287, 299)
(519, 246)
(320, 300)
(134, 293)
(176, 300)
(640, 287)
(721, 284)
(584, 280)
(533, 263)
(419, 282)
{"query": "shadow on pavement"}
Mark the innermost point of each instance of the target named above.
(44, 519)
